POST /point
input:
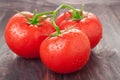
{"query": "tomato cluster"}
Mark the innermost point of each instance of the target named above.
(63, 43)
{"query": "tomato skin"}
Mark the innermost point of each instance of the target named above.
(89, 25)
(25, 39)
(62, 17)
(66, 53)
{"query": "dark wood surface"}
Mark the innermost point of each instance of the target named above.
(104, 63)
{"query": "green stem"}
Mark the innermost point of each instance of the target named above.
(76, 14)
(63, 6)
(56, 27)
(67, 6)
(55, 15)
(40, 14)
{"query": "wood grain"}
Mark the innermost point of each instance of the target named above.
(104, 60)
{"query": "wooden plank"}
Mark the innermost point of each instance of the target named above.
(78, 2)
(2, 15)
(111, 29)
(115, 8)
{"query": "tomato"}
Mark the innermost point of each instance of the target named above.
(23, 38)
(67, 52)
(90, 25)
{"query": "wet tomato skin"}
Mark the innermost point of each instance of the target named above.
(66, 53)
(24, 39)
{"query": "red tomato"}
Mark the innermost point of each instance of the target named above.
(89, 25)
(24, 39)
(67, 52)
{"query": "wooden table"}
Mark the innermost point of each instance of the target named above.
(104, 63)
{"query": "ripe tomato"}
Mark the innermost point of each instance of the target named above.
(90, 25)
(24, 39)
(67, 52)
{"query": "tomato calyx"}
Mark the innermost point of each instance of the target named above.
(77, 14)
(37, 17)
